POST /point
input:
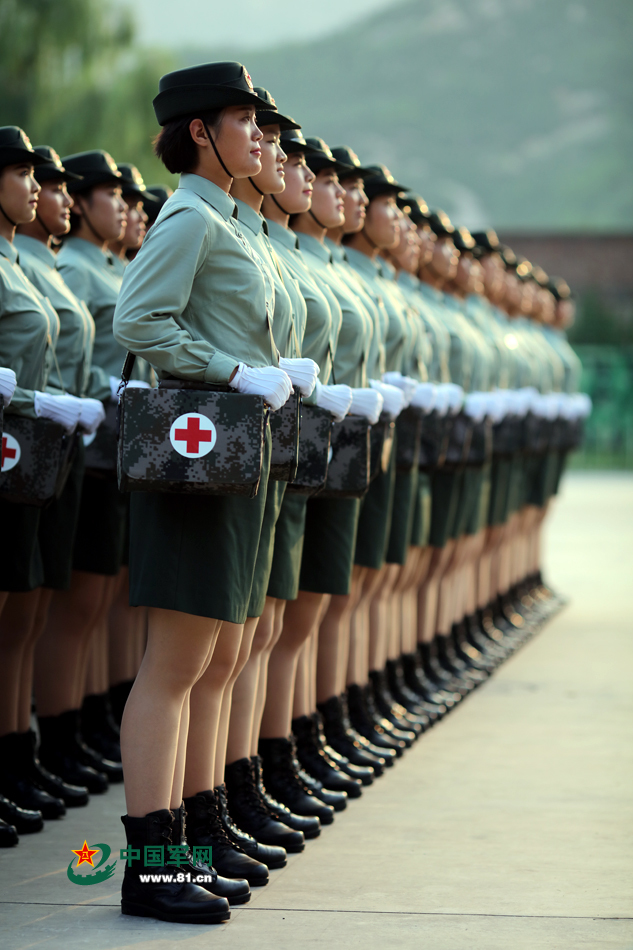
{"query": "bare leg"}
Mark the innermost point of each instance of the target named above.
(16, 623)
(262, 682)
(178, 648)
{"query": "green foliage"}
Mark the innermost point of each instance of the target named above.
(598, 322)
(608, 378)
(72, 78)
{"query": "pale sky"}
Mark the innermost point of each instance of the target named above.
(248, 23)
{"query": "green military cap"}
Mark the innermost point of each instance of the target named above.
(487, 241)
(203, 88)
(441, 223)
(522, 267)
(380, 181)
(347, 156)
(415, 207)
(154, 197)
(293, 140)
(52, 169)
(322, 156)
(463, 240)
(15, 147)
(508, 256)
(538, 274)
(131, 180)
(559, 287)
(271, 115)
(95, 168)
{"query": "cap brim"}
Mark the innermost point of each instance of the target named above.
(50, 172)
(267, 117)
(87, 182)
(290, 147)
(20, 156)
(183, 100)
(386, 188)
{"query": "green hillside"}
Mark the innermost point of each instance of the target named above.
(516, 113)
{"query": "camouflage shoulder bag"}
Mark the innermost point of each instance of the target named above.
(36, 457)
(349, 471)
(190, 437)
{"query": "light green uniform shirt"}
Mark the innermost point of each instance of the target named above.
(290, 310)
(322, 326)
(195, 300)
(570, 359)
(356, 331)
(399, 331)
(29, 328)
(419, 360)
(367, 272)
(462, 355)
(76, 326)
(432, 314)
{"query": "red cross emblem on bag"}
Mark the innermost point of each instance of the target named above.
(192, 435)
(11, 452)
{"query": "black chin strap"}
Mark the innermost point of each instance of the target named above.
(313, 215)
(12, 223)
(257, 189)
(44, 228)
(277, 203)
(91, 227)
(217, 154)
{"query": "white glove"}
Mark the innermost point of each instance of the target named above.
(268, 381)
(393, 397)
(455, 398)
(424, 396)
(62, 409)
(496, 405)
(441, 399)
(336, 399)
(367, 403)
(8, 382)
(407, 384)
(91, 415)
(303, 372)
(585, 405)
(545, 406)
(476, 406)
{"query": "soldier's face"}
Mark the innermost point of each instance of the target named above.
(514, 292)
(327, 199)
(383, 222)
(18, 194)
(136, 224)
(271, 179)
(493, 275)
(238, 141)
(355, 202)
(445, 258)
(53, 207)
(107, 212)
(426, 239)
(565, 313)
(407, 252)
(299, 178)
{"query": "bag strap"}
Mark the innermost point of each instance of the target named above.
(292, 333)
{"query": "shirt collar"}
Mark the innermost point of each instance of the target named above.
(210, 193)
(387, 270)
(249, 218)
(309, 243)
(8, 250)
(282, 235)
(37, 248)
(336, 250)
(362, 262)
(91, 251)
(408, 280)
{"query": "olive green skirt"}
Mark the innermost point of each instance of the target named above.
(402, 516)
(445, 489)
(499, 488)
(421, 524)
(479, 514)
(543, 479)
(329, 545)
(58, 525)
(265, 550)
(468, 498)
(196, 553)
(286, 568)
(21, 567)
(101, 526)
(374, 522)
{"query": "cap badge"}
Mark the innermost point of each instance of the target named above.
(249, 81)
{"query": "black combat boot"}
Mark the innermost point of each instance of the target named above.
(384, 711)
(8, 835)
(434, 669)
(364, 774)
(26, 821)
(417, 681)
(98, 728)
(17, 784)
(166, 899)
(475, 634)
(464, 650)
(336, 800)
(205, 828)
(449, 659)
(251, 813)
(405, 697)
(308, 824)
(281, 776)
(273, 856)
(366, 722)
(73, 796)
(315, 761)
(64, 753)
(235, 891)
(343, 739)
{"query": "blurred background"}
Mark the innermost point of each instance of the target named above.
(512, 114)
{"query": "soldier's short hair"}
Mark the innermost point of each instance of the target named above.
(174, 145)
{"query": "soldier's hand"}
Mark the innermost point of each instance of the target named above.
(393, 397)
(367, 403)
(336, 399)
(303, 372)
(62, 409)
(8, 382)
(270, 382)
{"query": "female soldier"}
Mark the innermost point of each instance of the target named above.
(134, 193)
(330, 523)
(196, 303)
(29, 327)
(78, 616)
(73, 354)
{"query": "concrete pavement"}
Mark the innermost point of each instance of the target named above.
(507, 826)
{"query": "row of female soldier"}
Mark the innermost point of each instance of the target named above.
(292, 648)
